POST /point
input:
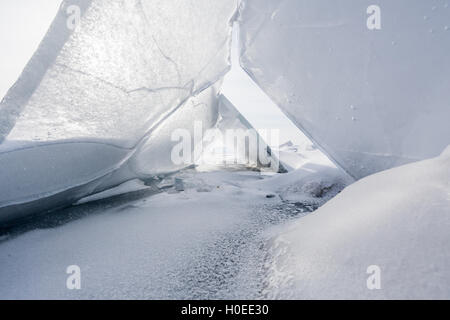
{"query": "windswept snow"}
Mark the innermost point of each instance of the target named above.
(397, 220)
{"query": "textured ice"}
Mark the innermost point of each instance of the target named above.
(154, 156)
(125, 188)
(246, 147)
(371, 99)
(93, 99)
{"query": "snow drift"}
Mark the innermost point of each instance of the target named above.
(397, 220)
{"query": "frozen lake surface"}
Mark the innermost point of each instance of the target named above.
(206, 242)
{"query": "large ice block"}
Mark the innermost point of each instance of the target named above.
(91, 99)
(234, 143)
(371, 98)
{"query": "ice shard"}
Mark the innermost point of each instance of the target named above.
(102, 91)
(235, 143)
(370, 84)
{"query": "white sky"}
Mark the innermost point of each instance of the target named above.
(23, 24)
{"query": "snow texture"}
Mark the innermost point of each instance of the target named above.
(206, 242)
(371, 99)
(397, 220)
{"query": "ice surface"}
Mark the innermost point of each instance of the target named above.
(294, 156)
(124, 188)
(220, 151)
(22, 175)
(154, 155)
(93, 99)
(207, 242)
(371, 99)
(397, 220)
(312, 184)
(186, 245)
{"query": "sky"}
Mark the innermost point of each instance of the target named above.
(24, 23)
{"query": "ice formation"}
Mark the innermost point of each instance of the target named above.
(234, 143)
(94, 101)
(371, 99)
(206, 242)
(103, 96)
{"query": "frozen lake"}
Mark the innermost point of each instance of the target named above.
(207, 242)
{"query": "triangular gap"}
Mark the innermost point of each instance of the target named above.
(263, 114)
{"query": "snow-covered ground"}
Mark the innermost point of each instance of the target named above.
(394, 225)
(230, 234)
(194, 235)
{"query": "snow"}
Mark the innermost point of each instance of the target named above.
(312, 184)
(294, 156)
(370, 99)
(124, 188)
(397, 220)
(39, 176)
(219, 150)
(206, 242)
